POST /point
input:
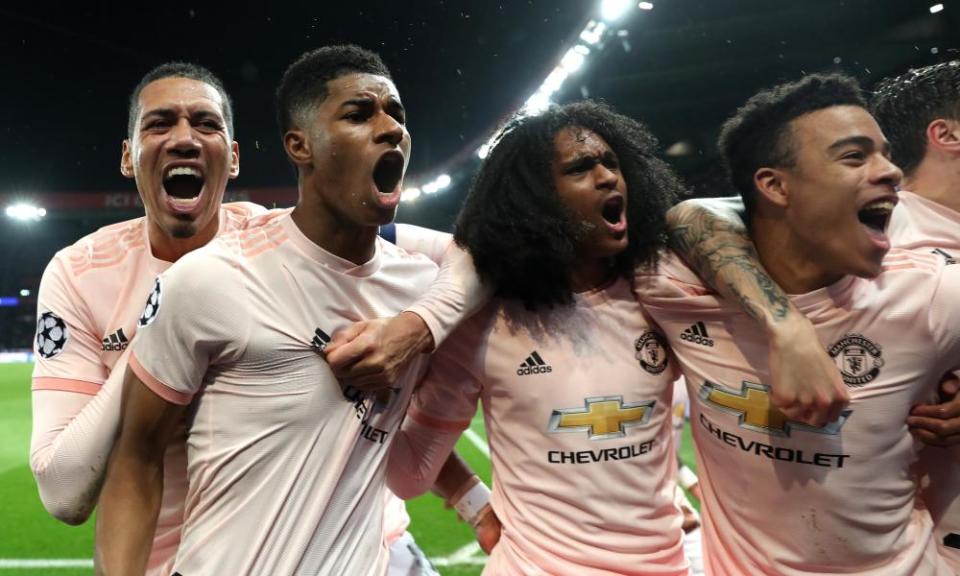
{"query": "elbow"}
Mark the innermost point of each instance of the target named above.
(66, 506)
(408, 486)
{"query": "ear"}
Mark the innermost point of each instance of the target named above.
(771, 185)
(297, 146)
(126, 160)
(944, 134)
(234, 160)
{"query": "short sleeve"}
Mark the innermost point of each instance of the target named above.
(66, 346)
(195, 317)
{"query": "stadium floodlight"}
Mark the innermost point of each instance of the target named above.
(410, 194)
(443, 181)
(936, 8)
(593, 32)
(483, 150)
(24, 212)
(24, 292)
(610, 10)
(573, 59)
(645, 5)
(537, 104)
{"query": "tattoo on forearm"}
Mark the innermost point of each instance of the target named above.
(720, 251)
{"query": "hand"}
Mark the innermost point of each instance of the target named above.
(939, 424)
(371, 355)
(806, 384)
(487, 529)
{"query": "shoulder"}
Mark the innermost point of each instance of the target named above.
(396, 259)
(105, 248)
(237, 215)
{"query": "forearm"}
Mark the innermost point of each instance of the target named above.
(128, 514)
(454, 478)
(454, 296)
(417, 455)
(710, 235)
(71, 442)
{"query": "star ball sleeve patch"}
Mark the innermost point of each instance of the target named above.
(52, 335)
(152, 306)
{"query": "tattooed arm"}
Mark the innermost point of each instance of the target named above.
(711, 236)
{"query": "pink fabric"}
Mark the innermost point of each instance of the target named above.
(784, 499)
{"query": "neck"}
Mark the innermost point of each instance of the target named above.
(786, 260)
(326, 229)
(591, 275)
(169, 249)
(937, 182)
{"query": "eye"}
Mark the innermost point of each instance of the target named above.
(854, 156)
(357, 117)
(156, 124)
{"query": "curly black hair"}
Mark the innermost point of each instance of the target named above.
(905, 105)
(304, 84)
(178, 70)
(758, 135)
(513, 223)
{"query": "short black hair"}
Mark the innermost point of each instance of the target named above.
(758, 134)
(304, 84)
(905, 105)
(520, 234)
(179, 70)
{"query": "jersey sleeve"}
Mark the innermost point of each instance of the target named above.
(447, 397)
(672, 285)
(66, 345)
(944, 314)
(457, 293)
(196, 316)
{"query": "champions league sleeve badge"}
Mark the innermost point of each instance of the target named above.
(152, 306)
(52, 335)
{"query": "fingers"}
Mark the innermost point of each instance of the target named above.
(933, 439)
(945, 411)
(949, 386)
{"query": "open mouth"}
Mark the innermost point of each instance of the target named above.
(876, 215)
(183, 182)
(613, 209)
(388, 171)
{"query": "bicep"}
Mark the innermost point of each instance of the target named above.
(147, 421)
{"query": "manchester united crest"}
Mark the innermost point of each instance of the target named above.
(651, 351)
(858, 359)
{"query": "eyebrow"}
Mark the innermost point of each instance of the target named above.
(167, 112)
(605, 155)
(862, 141)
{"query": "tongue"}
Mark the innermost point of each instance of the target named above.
(183, 187)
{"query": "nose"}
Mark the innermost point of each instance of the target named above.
(605, 177)
(886, 172)
(183, 141)
(389, 130)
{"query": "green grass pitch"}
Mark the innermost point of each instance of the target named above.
(28, 533)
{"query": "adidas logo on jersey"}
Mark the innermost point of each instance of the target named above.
(697, 334)
(948, 257)
(320, 340)
(534, 364)
(116, 342)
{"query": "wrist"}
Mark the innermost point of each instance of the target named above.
(470, 500)
(418, 329)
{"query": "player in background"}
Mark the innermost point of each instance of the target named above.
(919, 112)
(687, 481)
(180, 150)
(807, 156)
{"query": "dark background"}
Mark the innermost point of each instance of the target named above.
(460, 66)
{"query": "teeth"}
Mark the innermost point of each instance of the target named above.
(880, 206)
(183, 171)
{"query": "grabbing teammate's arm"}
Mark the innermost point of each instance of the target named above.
(133, 489)
(711, 236)
(371, 354)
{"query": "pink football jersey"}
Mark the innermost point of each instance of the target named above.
(90, 298)
(577, 406)
(788, 499)
(286, 469)
(922, 224)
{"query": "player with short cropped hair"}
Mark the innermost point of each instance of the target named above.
(839, 497)
(248, 318)
(181, 152)
(919, 112)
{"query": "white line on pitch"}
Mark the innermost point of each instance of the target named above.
(40, 563)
